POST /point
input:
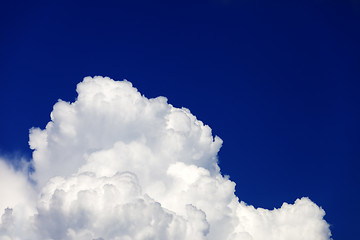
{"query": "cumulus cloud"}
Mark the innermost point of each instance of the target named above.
(116, 165)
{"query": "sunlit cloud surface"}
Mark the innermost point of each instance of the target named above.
(114, 164)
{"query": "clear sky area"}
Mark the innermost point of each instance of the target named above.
(277, 81)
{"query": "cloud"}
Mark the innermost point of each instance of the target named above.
(117, 165)
(17, 200)
(85, 206)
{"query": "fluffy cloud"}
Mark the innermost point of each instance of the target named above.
(117, 165)
(88, 207)
(17, 200)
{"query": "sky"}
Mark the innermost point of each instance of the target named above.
(277, 81)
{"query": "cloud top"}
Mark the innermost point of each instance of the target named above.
(117, 165)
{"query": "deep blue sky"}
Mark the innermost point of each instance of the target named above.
(278, 81)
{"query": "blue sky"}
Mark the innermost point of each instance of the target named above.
(277, 81)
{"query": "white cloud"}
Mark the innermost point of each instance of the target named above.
(117, 165)
(17, 200)
(88, 207)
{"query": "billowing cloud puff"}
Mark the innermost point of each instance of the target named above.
(88, 207)
(117, 165)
